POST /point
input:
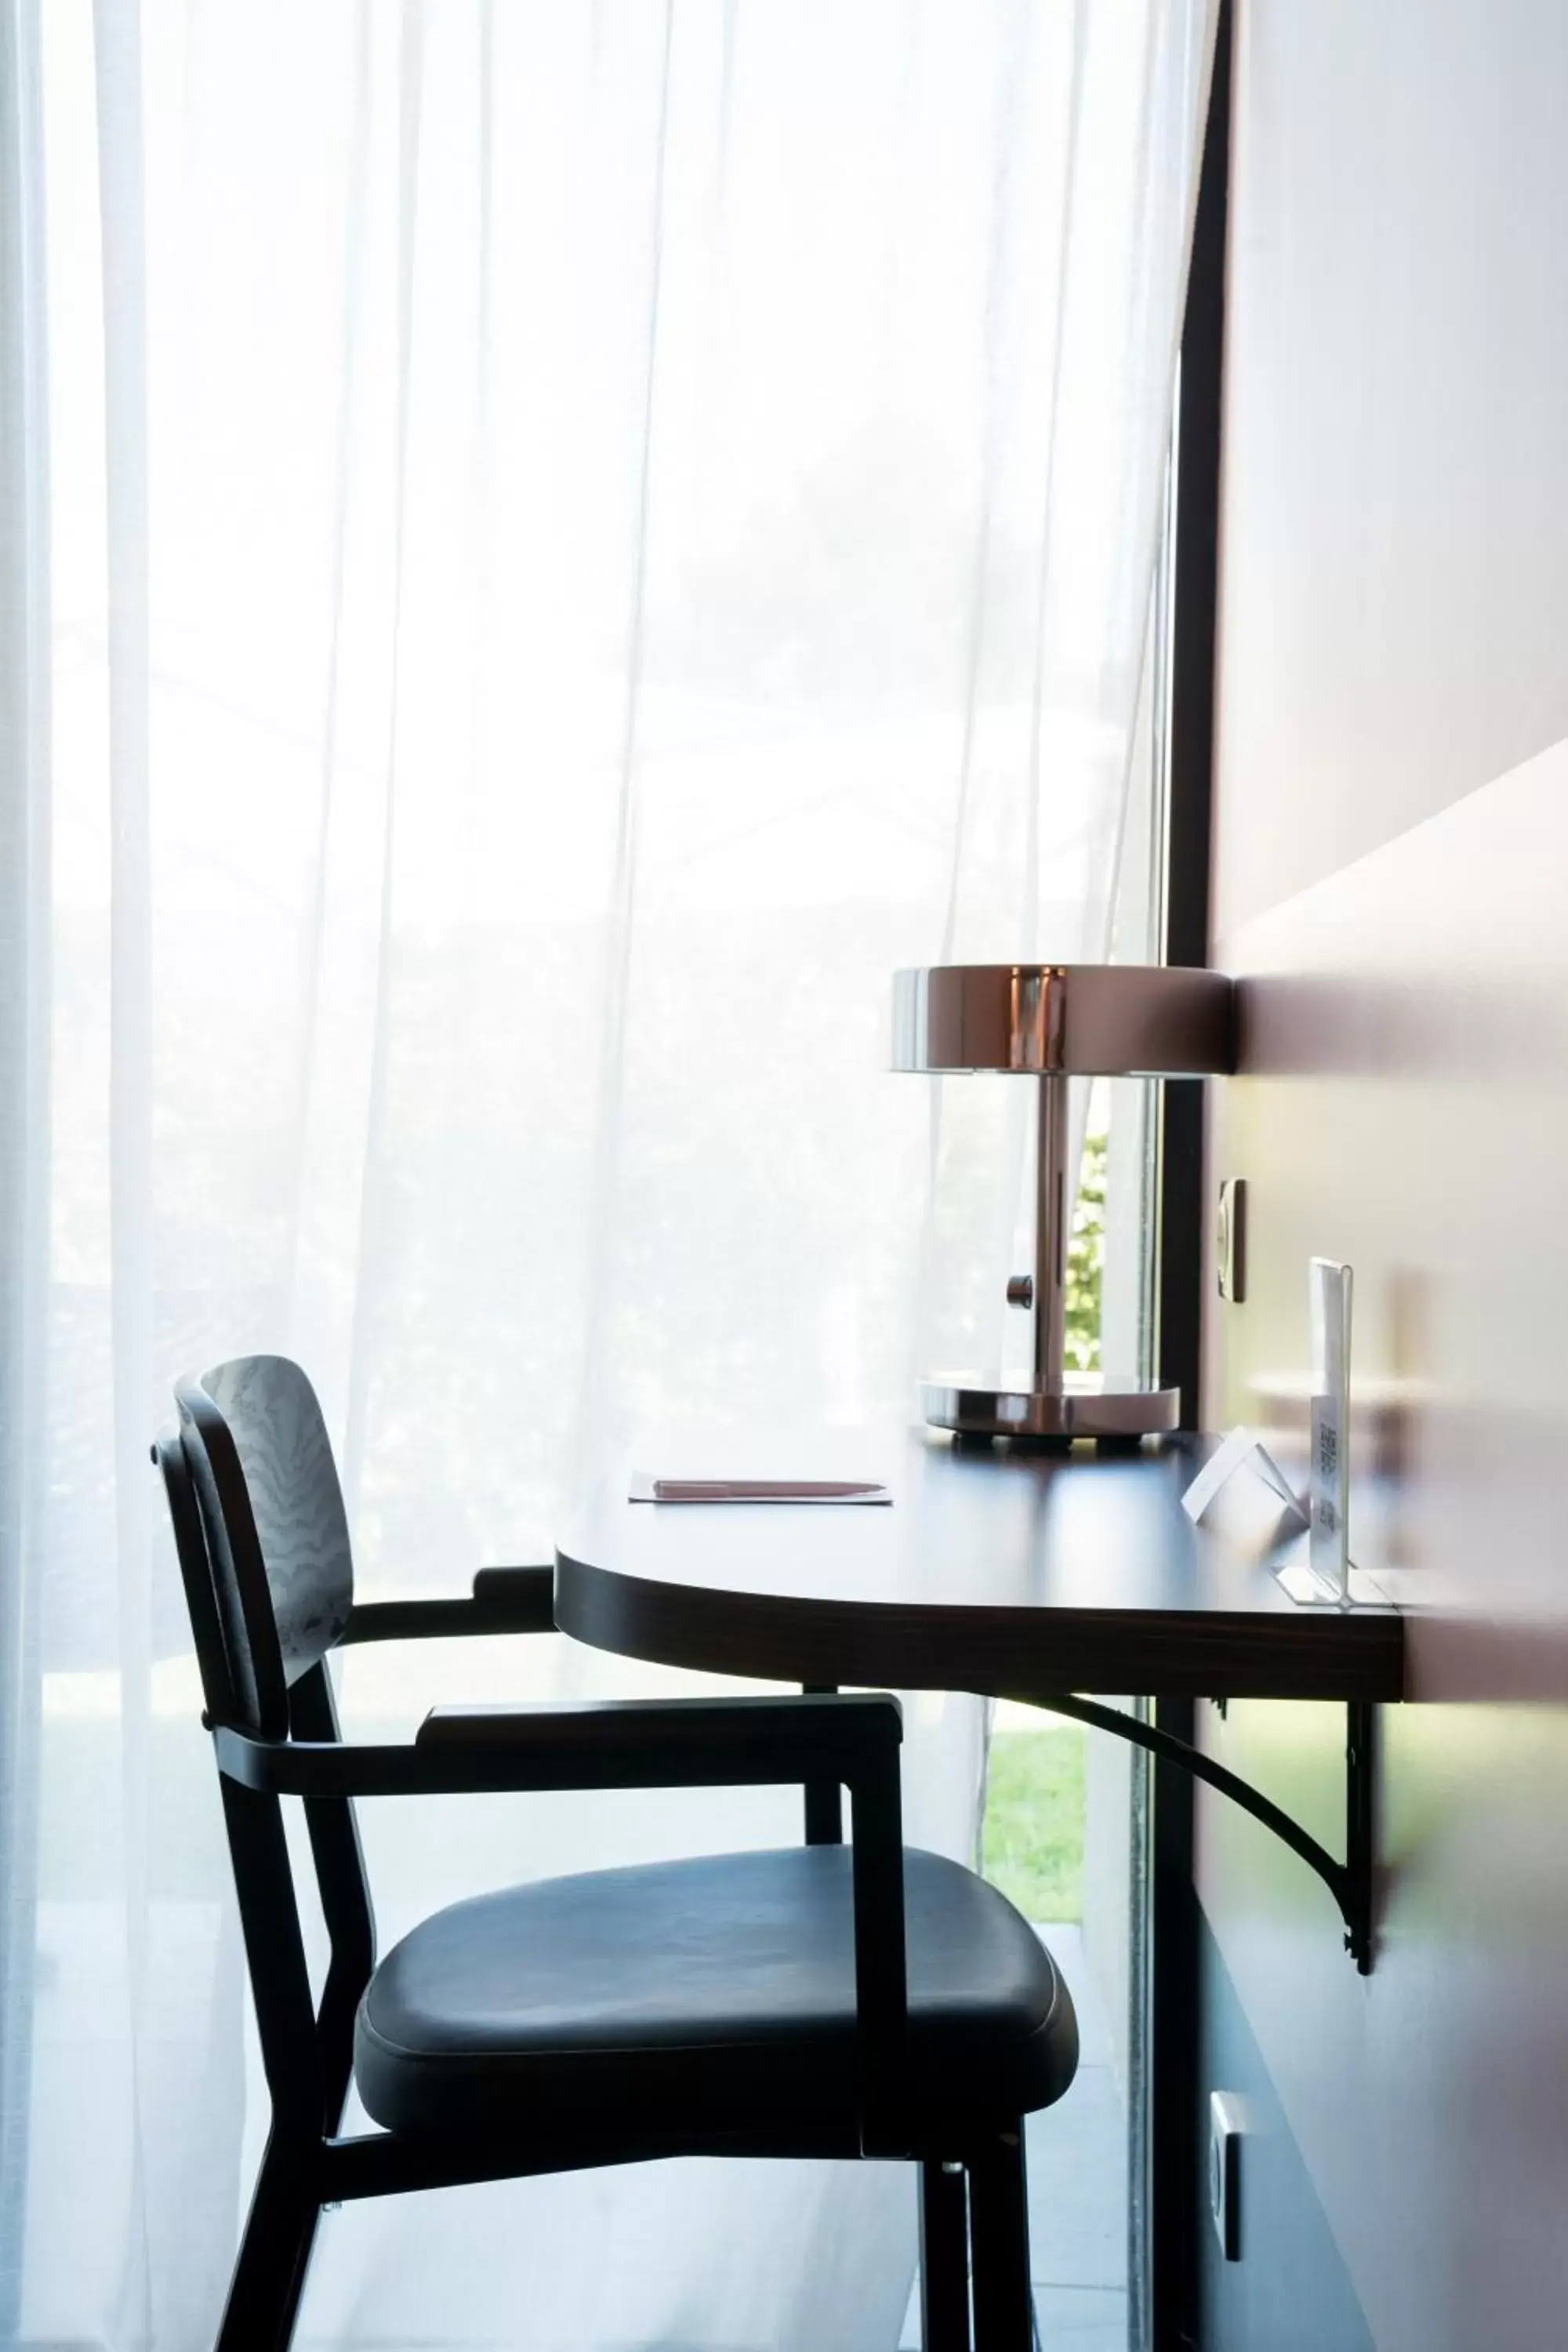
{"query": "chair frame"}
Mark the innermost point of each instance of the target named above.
(286, 1742)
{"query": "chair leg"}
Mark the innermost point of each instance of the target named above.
(274, 2253)
(944, 2258)
(999, 2227)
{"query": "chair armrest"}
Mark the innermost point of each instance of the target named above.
(504, 1601)
(653, 1744)
(772, 1738)
(624, 1744)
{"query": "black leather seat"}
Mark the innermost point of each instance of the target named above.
(724, 1986)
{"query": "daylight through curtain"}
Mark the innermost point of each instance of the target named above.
(544, 550)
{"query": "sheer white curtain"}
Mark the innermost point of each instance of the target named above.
(543, 549)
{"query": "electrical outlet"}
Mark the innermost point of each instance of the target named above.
(1225, 2134)
(1230, 1240)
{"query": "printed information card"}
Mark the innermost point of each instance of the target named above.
(1329, 1550)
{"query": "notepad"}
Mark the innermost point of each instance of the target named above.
(645, 1489)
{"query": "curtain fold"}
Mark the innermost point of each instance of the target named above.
(543, 552)
(24, 1079)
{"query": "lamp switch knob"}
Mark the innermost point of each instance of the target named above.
(1020, 1290)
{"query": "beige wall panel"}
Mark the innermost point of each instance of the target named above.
(1392, 888)
(1405, 1107)
(1396, 519)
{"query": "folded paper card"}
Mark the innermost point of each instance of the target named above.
(647, 1489)
(1243, 1495)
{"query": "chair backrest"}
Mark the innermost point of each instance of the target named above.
(263, 1547)
(277, 1535)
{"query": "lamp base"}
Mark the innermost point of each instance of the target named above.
(977, 1404)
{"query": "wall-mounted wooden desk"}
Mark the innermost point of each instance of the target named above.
(1012, 1576)
(999, 1573)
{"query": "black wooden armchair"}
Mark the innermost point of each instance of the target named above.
(819, 2000)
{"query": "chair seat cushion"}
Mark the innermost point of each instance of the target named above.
(699, 1997)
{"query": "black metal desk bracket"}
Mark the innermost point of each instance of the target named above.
(1349, 1882)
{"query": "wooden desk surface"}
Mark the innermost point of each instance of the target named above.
(1000, 1574)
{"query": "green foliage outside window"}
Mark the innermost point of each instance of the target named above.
(1032, 1842)
(1086, 1260)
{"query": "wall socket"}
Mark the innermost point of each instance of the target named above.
(1230, 1240)
(1227, 2133)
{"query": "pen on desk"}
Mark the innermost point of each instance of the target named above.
(762, 1490)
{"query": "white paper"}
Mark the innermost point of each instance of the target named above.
(1240, 1446)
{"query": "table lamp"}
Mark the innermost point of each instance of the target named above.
(1052, 1023)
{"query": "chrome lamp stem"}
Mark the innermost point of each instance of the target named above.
(1053, 1227)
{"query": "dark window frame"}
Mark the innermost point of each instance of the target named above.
(1175, 2206)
